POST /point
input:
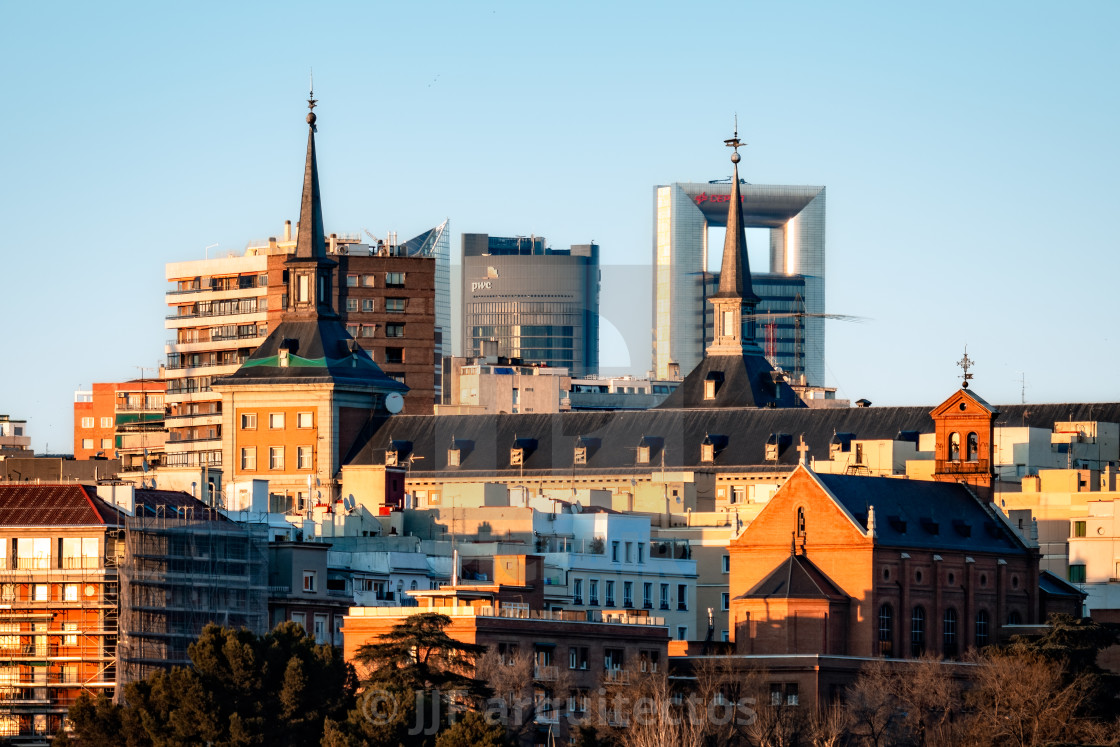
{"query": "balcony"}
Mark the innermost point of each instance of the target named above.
(947, 467)
(223, 308)
(545, 673)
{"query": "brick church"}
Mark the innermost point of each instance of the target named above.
(850, 565)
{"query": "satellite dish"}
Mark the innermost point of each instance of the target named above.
(576, 507)
(394, 402)
(348, 503)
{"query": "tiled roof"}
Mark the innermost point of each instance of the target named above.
(52, 505)
(923, 514)
(485, 440)
(795, 578)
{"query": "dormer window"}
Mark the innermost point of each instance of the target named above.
(516, 457)
(453, 456)
(643, 454)
(391, 458)
(709, 389)
(580, 455)
(707, 451)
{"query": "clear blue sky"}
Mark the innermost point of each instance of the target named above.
(969, 151)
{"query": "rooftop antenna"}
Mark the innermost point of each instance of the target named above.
(1022, 388)
(966, 363)
(207, 249)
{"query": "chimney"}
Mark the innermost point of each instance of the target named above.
(334, 243)
(272, 245)
(287, 230)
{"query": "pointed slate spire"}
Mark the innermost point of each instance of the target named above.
(311, 241)
(735, 272)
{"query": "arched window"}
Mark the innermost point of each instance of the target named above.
(973, 447)
(800, 521)
(954, 447)
(949, 633)
(918, 631)
(412, 586)
(886, 630)
(982, 637)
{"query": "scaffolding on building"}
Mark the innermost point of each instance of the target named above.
(182, 569)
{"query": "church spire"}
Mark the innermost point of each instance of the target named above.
(735, 272)
(311, 242)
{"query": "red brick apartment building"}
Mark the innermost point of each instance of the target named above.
(123, 419)
(95, 591)
(575, 650)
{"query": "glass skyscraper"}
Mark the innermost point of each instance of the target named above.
(532, 302)
(790, 325)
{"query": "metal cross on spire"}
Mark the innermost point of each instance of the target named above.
(311, 102)
(966, 363)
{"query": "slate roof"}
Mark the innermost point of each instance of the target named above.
(321, 351)
(1054, 585)
(796, 578)
(174, 504)
(53, 505)
(923, 514)
(485, 440)
(743, 381)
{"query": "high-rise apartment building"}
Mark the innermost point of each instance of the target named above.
(536, 303)
(789, 322)
(393, 298)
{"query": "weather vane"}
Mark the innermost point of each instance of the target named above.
(734, 142)
(966, 363)
(311, 102)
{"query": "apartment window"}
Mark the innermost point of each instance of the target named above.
(72, 639)
(106, 422)
(578, 700)
(664, 596)
(303, 457)
(641, 552)
(367, 281)
(353, 330)
(367, 305)
(394, 330)
(725, 601)
(70, 593)
(577, 591)
(300, 618)
(610, 593)
(1077, 573)
(276, 457)
(304, 420)
(394, 280)
(7, 593)
(6, 639)
(738, 494)
(682, 596)
(351, 304)
(682, 632)
(614, 551)
(628, 548)
(87, 422)
(367, 330)
(321, 628)
(394, 305)
(593, 592)
(87, 443)
(647, 595)
(42, 593)
(249, 457)
(627, 593)
(613, 658)
(276, 420)
(351, 281)
(394, 355)
(106, 443)
(309, 581)
(783, 694)
(918, 631)
(1078, 529)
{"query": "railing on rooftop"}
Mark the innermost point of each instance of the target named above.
(519, 613)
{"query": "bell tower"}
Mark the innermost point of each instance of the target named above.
(964, 447)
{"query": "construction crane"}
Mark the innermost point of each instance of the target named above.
(769, 324)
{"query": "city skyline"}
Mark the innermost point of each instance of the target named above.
(966, 153)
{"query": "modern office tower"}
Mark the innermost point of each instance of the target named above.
(789, 322)
(537, 304)
(393, 298)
